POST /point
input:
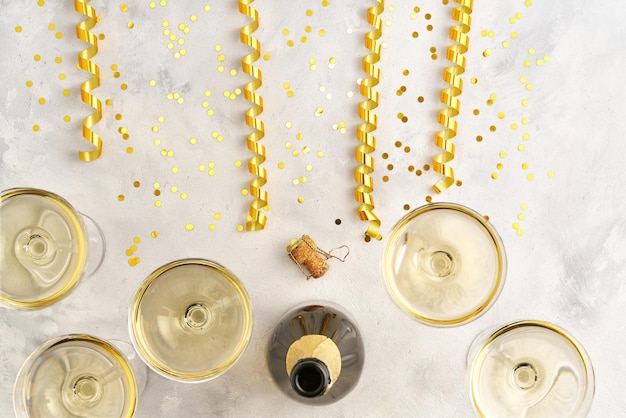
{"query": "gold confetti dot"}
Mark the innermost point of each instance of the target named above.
(42, 101)
(120, 198)
(501, 115)
(217, 216)
(154, 234)
(521, 216)
(551, 174)
(58, 35)
(492, 128)
(18, 29)
(487, 52)
(36, 128)
(66, 93)
(494, 175)
(524, 166)
(479, 138)
(207, 8)
(189, 227)
(300, 199)
(67, 118)
(37, 57)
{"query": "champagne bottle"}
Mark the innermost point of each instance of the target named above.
(316, 353)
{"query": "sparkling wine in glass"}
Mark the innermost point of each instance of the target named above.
(529, 369)
(190, 320)
(78, 376)
(316, 353)
(444, 264)
(46, 247)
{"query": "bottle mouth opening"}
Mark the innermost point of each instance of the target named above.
(310, 378)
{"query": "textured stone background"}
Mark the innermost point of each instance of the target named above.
(547, 102)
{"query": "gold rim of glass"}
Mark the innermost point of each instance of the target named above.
(577, 346)
(79, 228)
(397, 234)
(157, 365)
(106, 346)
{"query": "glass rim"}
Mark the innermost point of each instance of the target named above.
(396, 232)
(79, 227)
(90, 339)
(158, 366)
(573, 343)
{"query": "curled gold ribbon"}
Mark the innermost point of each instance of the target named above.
(364, 131)
(85, 63)
(449, 95)
(258, 218)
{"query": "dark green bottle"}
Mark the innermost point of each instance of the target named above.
(316, 353)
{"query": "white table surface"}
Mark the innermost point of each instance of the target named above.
(567, 267)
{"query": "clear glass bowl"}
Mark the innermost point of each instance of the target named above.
(444, 264)
(529, 369)
(190, 320)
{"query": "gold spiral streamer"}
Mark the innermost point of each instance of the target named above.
(258, 218)
(364, 131)
(85, 63)
(449, 95)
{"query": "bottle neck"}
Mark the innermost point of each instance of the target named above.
(310, 378)
(313, 364)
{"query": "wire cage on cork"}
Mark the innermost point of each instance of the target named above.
(311, 259)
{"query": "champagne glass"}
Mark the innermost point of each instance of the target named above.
(75, 375)
(529, 369)
(46, 247)
(190, 320)
(444, 264)
(316, 353)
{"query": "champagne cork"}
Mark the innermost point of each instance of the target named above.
(304, 252)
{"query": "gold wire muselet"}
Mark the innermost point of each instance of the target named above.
(311, 259)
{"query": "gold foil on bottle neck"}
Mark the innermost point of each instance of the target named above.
(316, 346)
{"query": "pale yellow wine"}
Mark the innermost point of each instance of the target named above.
(43, 249)
(444, 264)
(530, 369)
(75, 375)
(191, 320)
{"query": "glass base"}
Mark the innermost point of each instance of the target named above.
(97, 245)
(139, 367)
